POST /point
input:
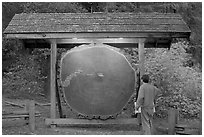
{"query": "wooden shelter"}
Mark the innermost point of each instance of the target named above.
(66, 30)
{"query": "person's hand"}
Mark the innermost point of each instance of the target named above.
(137, 107)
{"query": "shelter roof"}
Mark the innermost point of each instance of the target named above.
(96, 22)
(115, 29)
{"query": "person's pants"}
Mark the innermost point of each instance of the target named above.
(146, 118)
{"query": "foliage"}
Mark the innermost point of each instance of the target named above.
(52, 7)
(23, 77)
(181, 85)
(9, 48)
(9, 9)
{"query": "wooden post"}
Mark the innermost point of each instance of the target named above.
(141, 57)
(177, 116)
(141, 68)
(27, 105)
(52, 78)
(32, 115)
(200, 123)
(58, 95)
(172, 121)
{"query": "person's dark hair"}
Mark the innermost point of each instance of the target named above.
(145, 78)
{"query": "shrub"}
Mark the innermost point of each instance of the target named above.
(180, 85)
(23, 77)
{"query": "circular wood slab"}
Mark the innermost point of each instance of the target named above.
(97, 80)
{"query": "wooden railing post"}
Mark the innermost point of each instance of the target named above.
(172, 120)
(32, 115)
(200, 122)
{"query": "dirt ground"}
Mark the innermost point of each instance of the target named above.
(19, 126)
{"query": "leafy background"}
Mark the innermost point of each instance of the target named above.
(177, 71)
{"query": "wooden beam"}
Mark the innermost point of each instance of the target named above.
(14, 104)
(18, 116)
(19, 112)
(31, 44)
(52, 78)
(99, 35)
(97, 40)
(65, 121)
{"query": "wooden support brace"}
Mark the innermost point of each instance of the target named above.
(14, 104)
(52, 78)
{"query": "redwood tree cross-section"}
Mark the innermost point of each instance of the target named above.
(97, 81)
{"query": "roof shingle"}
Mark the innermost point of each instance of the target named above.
(96, 22)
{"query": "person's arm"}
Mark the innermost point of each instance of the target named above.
(157, 94)
(140, 98)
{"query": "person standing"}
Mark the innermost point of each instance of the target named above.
(145, 100)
